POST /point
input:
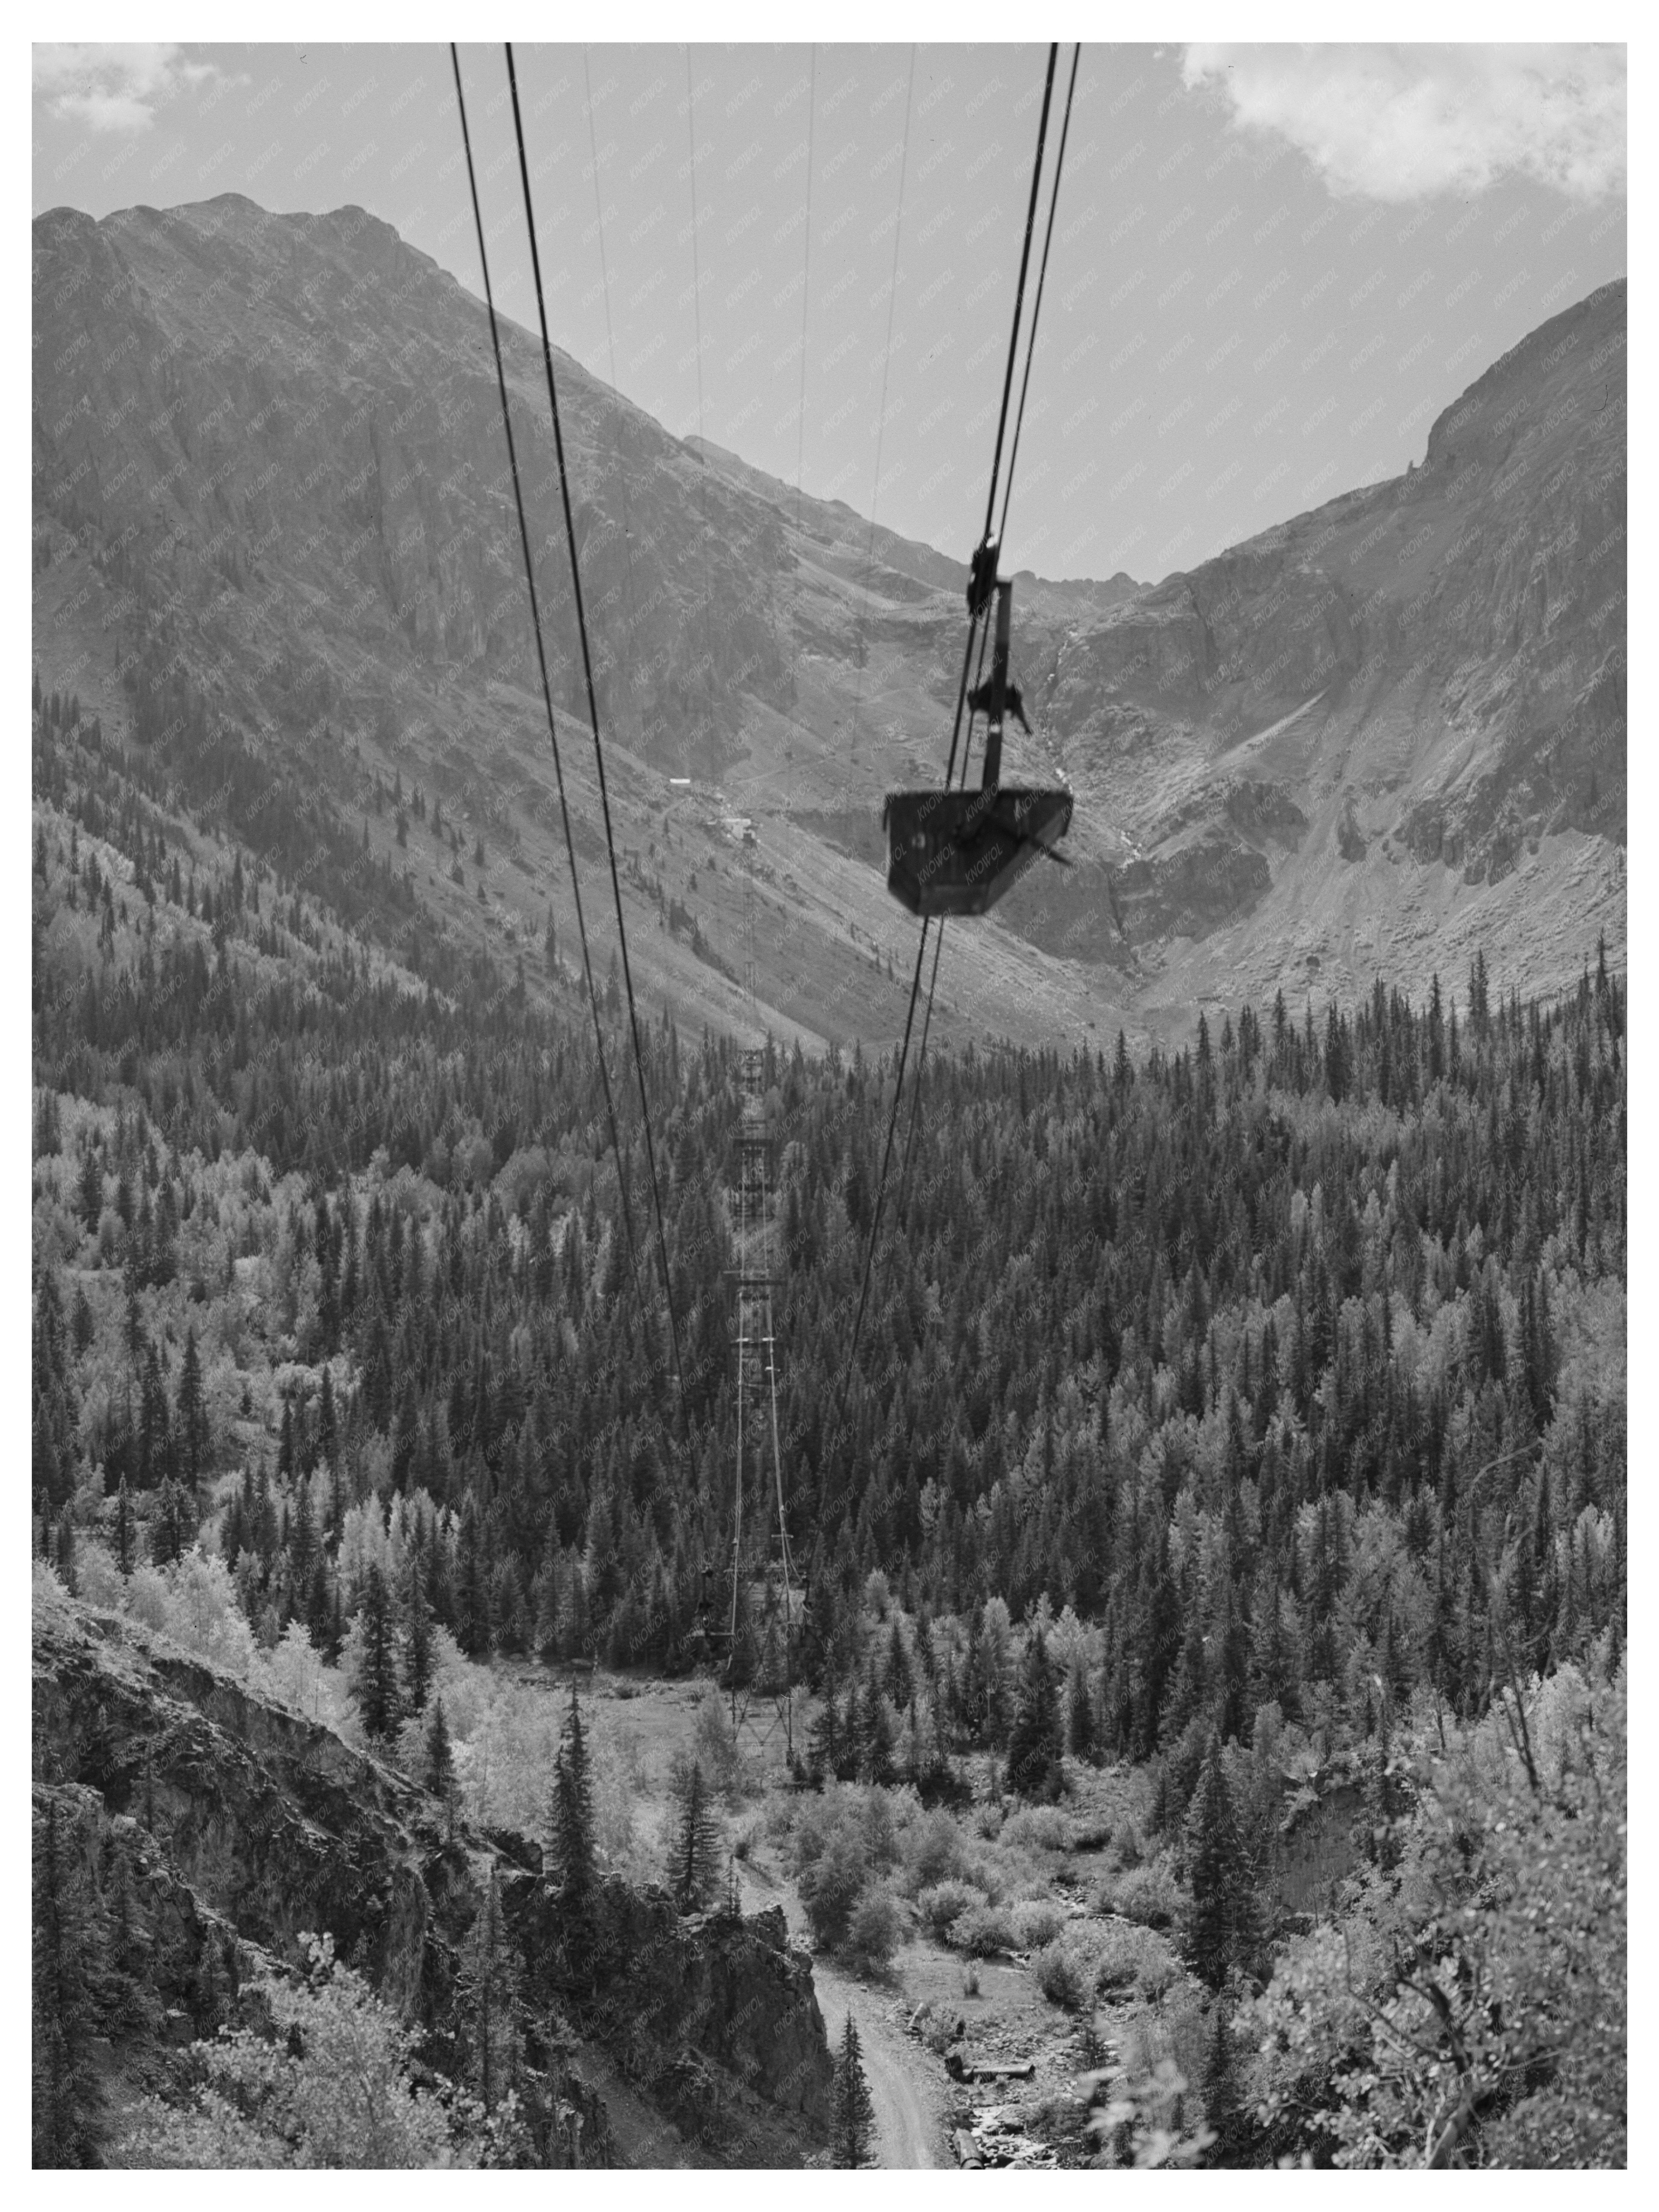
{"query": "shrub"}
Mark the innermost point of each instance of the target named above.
(863, 1817)
(981, 1930)
(1149, 1894)
(779, 1818)
(714, 1748)
(1063, 1975)
(1127, 1953)
(1038, 1827)
(942, 1903)
(1091, 1834)
(874, 1928)
(830, 1886)
(1036, 1922)
(335, 2087)
(933, 1852)
(987, 1822)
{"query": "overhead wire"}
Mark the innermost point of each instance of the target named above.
(881, 420)
(547, 688)
(805, 277)
(932, 979)
(610, 349)
(1002, 532)
(881, 415)
(1037, 304)
(593, 715)
(962, 693)
(703, 442)
(1008, 379)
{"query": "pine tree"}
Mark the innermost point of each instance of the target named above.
(69, 1964)
(1034, 1739)
(823, 1744)
(570, 1854)
(1079, 1712)
(1221, 1924)
(694, 1870)
(488, 1986)
(852, 2112)
(438, 1769)
(191, 1429)
(66, 1552)
(172, 1526)
(900, 1686)
(873, 1732)
(125, 1546)
(416, 1639)
(1224, 2111)
(377, 1700)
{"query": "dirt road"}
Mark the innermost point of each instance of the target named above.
(908, 2099)
(909, 2129)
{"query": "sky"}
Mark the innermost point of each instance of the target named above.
(1272, 265)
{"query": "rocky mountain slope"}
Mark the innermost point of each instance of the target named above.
(1382, 733)
(1391, 726)
(232, 1824)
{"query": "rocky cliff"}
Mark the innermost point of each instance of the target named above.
(233, 1827)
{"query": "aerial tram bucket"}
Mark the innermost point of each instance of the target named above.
(957, 852)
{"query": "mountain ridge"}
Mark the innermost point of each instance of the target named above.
(1301, 759)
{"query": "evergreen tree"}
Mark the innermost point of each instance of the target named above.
(852, 2110)
(69, 1963)
(571, 1861)
(823, 1740)
(1080, 1712)
(376, 1685)
(126, 1541)
(900, 1686)
(1224, 2111)
(438, 1769)
(694, 1869)
(191, 1423)
(173, 1524)
(873, 1731)
(416, 1639)
(1221, 1923)
(488, 1984)
(1034, 1739)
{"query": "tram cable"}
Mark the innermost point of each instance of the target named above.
(593, 718)
(616, 392)
(1002, 532)
(547, 688)
(976, 608)
(881, 415)
(702, 441)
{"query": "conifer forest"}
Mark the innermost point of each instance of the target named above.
(1266, 1391)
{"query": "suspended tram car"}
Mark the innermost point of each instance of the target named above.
(957, 852)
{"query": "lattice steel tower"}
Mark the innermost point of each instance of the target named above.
(763, 1628)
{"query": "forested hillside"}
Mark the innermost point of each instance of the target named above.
(1281, 1375)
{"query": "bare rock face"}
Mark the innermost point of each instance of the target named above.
(230, 1827)
(1438, 660)
(727, 1992)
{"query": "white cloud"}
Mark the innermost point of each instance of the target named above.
(113, 87)
(1403, 123)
